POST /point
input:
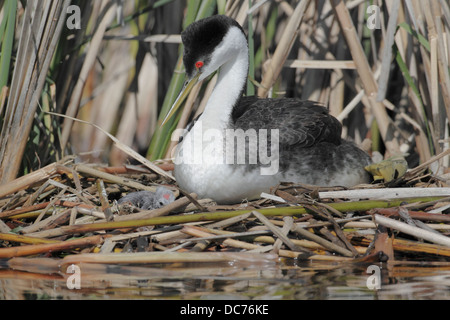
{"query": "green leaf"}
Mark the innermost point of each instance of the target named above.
(423, 41)
(7, 29)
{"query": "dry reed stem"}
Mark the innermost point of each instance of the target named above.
(324, 243)
(385, 193)
(387, 51)
(24, 239)
(51, 204)
(371, 225)
(103, 195)
(323, 211)
(319, 257)
(28, 180)
(89, 60)
(112, 178)
(168, 257)
(411, 246)
(140, 111)
(34, 265)
(22, 213)
(277, 231)
(217, 234)
(320, 64)
(28, 250)
(51, 222)
(126, 149)
(414, 231)
(3, 94)
(426, 164)
(185, 116)
(383, 244)
(41, 28)
(288, 225)
(401, 245)
(307, 244)
(424, 216)
(368, 80)
(283, 48)
(444, 76)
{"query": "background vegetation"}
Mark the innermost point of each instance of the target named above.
(390, 86)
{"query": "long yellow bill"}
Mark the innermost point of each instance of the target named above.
(183, 94)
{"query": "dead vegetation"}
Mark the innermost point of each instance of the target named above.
(60, 211)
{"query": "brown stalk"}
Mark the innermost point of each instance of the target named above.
(89, 61)
(28, 180)
(325, 243)
(51, 222)
(283, 48)
(166, 257)
(24, 239)
(41, 28)
(401, 245)
(368, 80)
(103, 195)
(277, 231)
(419, 215)
(29, 250)
(18, 213)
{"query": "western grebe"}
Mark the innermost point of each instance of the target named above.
(281, 140)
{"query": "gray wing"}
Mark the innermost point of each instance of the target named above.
(301, 124)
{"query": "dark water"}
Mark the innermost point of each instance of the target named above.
(310, 281)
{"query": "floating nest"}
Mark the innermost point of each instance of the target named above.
(72, 213)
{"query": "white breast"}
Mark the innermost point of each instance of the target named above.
(201, 167)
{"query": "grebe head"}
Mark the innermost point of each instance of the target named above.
(208, 44)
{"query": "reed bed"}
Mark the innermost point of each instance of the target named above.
(61, 214)
(79, 114)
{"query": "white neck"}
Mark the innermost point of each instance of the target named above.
(232, 78)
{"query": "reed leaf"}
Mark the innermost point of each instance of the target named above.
(422, 40)
(7, 28)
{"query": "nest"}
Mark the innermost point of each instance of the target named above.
(71, 212)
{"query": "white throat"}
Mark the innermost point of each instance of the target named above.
(199, 160)
(231, 80)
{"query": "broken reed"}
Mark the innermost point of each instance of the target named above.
(28, 250)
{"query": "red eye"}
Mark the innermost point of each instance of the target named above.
(199, 64)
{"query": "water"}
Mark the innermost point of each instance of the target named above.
(286, 281)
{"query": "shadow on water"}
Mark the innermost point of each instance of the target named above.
(289, 281)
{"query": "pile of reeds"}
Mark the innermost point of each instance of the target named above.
(68, 212)
(383, 71)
